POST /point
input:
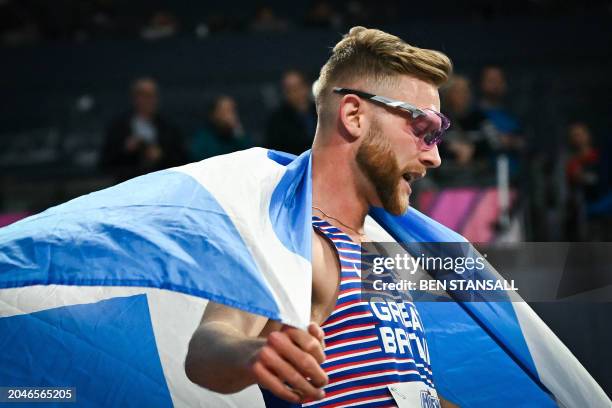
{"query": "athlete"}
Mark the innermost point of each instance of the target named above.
(378, 129)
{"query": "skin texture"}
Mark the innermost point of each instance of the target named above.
(245, 349)
(296, 90)
(225, 115)
(493, 84)
(341, 185)
(145, 97)
(358, 162)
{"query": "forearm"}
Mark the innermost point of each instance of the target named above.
(218, 357)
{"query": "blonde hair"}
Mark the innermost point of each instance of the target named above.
(377, 58)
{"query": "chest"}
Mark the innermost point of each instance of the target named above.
(325, 285)
(336, 258)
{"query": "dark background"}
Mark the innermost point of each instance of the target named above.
(66, 68)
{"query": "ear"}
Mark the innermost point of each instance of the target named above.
(351, 116)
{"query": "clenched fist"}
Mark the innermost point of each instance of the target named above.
(289, 364)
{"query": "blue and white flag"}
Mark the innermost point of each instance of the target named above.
(489, 354)
(103, 292)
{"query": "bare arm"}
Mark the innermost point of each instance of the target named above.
(221, 347)
(225, 355)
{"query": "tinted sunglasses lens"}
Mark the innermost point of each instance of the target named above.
(445, 122)
(438, 123)
(433, 138)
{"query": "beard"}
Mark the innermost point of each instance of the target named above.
(376, 159)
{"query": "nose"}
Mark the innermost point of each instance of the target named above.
(430, 158)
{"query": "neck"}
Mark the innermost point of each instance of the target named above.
(336, 186)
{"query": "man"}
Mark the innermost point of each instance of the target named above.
(466, 150)
(291, 127)
(508, 138)
(141, 140)
(493, 88)
(367, 151)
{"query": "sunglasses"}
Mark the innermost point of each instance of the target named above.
(428, 124)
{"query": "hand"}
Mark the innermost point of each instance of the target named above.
(288, 364)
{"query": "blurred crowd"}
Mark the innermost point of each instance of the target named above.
(491, 143)
(24, 22)
(487, 145)
(485, 132)
(482, 130)
(144, 139)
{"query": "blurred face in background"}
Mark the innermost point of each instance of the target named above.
(224, 114)
(579, 136)
(493, 84)
(458, 96)
(145, 97)
(296, 90)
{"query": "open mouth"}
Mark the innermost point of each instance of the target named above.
(410, 177)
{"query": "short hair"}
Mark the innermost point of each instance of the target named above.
(378, 58)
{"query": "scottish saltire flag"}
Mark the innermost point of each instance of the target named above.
(489, 354)
(103, 293)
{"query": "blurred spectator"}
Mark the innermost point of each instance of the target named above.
(223, 132)
(322, 15)
(465, 151)
(266, 20)
(583, 164)
(292, 126)
(29, 21)
(161, 25)
(582, 173)
(509, 139)
(141, 140)
(493, 90)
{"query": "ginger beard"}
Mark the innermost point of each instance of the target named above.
(375, 157)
